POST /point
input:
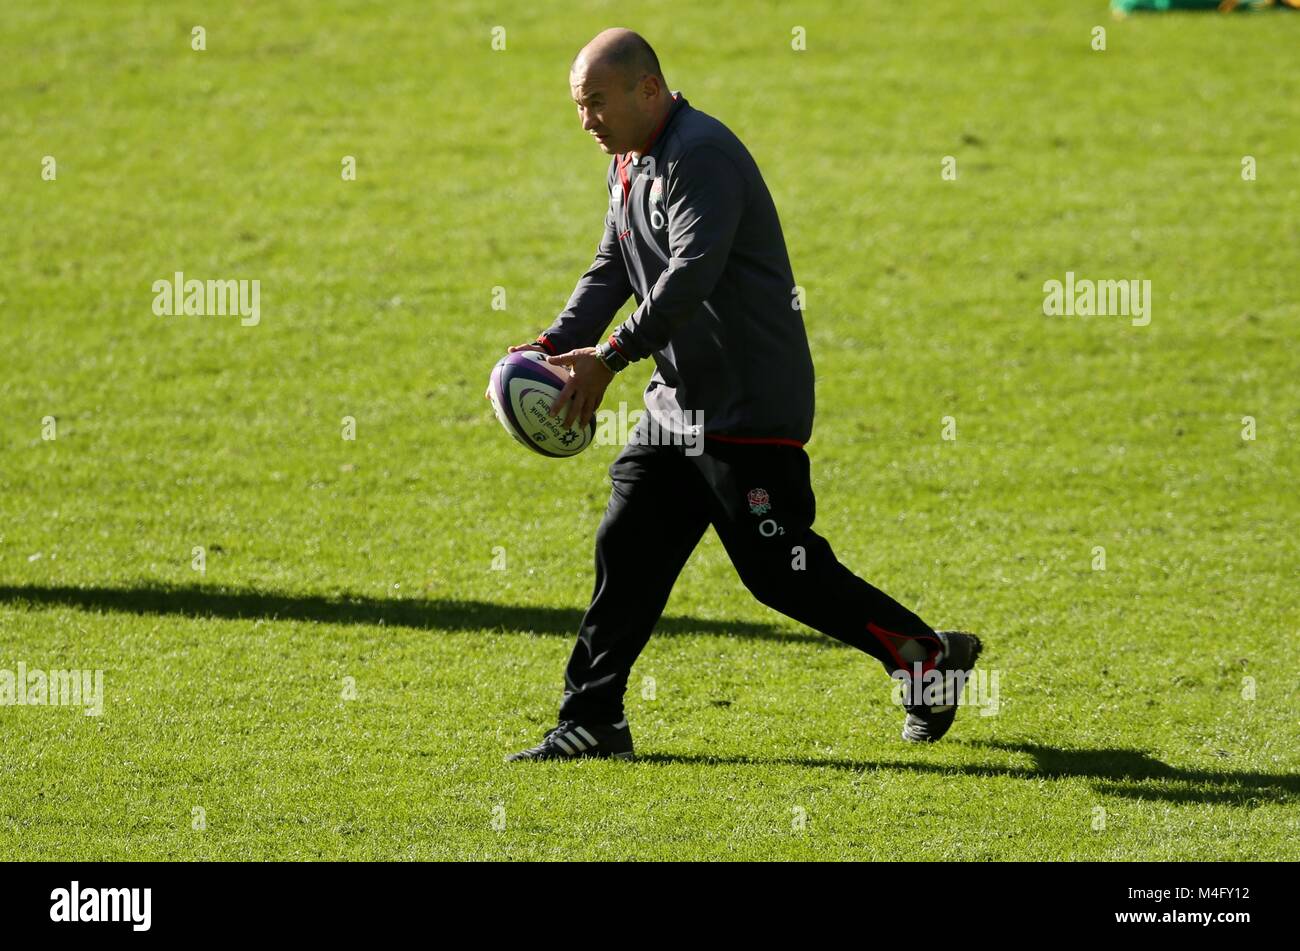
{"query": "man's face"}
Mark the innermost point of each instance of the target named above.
(609, 111)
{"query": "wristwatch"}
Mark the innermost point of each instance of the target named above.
(607, 354)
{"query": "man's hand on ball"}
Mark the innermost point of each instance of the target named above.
(586, 387)
(518, 349)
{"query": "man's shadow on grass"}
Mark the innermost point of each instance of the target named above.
(1114, 772)
(420, 613)
(1130, 773)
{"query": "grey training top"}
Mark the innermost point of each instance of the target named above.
(693, 233)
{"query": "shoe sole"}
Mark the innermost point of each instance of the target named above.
(513, 758)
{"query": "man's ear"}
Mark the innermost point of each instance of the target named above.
(650, 89)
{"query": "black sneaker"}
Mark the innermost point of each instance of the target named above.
(925, 724)
(574, 740)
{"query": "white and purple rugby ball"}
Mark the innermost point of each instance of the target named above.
(522, 388)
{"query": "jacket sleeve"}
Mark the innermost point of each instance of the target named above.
(704, 203)
(597, 298)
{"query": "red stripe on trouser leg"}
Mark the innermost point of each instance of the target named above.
(890, 640)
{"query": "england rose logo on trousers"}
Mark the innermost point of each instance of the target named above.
(759, 502)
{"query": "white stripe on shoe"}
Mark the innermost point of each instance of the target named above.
(564, 746)
(582, 731)
(572, 738)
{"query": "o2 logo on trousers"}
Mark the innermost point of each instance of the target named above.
(760, 503)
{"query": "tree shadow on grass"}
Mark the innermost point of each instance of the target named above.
(1133, 774)
(420, 613)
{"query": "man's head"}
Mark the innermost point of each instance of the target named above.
(619, 89)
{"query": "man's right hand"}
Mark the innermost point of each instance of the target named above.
(521, 347)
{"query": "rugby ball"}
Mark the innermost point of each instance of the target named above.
(522, 388)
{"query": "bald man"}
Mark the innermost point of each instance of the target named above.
(692, 234)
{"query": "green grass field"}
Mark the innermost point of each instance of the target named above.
(1127, 728)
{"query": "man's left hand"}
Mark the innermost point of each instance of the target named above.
(586, 387)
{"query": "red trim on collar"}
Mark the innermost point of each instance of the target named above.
(625, 157)
(677, 97)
